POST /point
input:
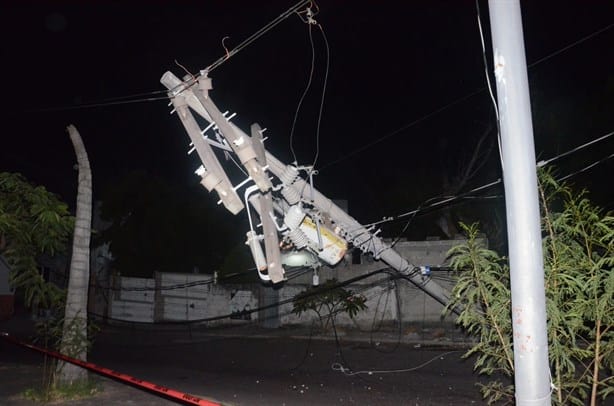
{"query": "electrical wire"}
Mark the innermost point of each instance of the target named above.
(337, 341)
(470, 193)
(298, 273)
(170, 287)
(339, 352)
(112, 101)
(348, 372)
(586, 168)
(131, 96)
(438, 204)
(306, 353)
(319, 125)
(573, 44)
(401, 129)
(576, 149)
(230, 53)
(395, 287)
(309, 20)
(95, 105)
(246, 311)
(457, 101)
(488, 83)
(300, 103)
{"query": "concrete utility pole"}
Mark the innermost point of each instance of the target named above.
(531, 368)
(293, 188)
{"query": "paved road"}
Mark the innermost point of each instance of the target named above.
(237, 368)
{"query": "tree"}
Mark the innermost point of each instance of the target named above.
(327, 300)
(33, 221)
(579, 268)
(75, 331)
(159, 226)
(467, 168)
(482, 291)
(579, 280)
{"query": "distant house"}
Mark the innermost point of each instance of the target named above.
(6, 293)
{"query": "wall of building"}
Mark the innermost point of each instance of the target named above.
(192, 297)
(180, 297)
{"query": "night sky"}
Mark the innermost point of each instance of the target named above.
(391, 63)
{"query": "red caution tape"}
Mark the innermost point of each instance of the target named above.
(181, 396)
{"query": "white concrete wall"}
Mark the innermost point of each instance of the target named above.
(386, 301)
(202, 299)
(128, 304)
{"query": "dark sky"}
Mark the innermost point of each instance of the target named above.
(391, 63)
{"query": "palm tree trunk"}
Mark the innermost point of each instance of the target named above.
(74, 337)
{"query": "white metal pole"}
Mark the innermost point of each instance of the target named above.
(531, 367)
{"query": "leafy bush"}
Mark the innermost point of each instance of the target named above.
(327, 300)
(578, 241)
(33, 221)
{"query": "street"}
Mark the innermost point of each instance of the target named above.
(236, 368)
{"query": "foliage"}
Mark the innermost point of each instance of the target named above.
(80, 390)
(50, 334)
(579, 281)
(482, 293)
(155, 225)
(33, 221)
(327, 300)
(578, 265)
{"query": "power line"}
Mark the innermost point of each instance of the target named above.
(257, 34)
(403, 128)
(468, 194)
(119, 100)
(309, 20)
(300, 102)
(250, 311)
(488, 84)
(315, 159)
(202, 282)
(576, 149)
(439, 204)
(586, 168)
(573, 44)
(291, 274)
(459, 100)
(97, 104)
(348, 372)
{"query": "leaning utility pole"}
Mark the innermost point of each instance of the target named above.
(531, 367)
(286, 203)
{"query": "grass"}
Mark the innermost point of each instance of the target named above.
(78, 390)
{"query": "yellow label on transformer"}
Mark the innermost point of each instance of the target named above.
(333, 246)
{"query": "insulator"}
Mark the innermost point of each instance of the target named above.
(291, 195)
(316, 278)
(294, 217)
(289, 175)
(299, 239)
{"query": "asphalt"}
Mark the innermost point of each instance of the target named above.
(22, 368)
